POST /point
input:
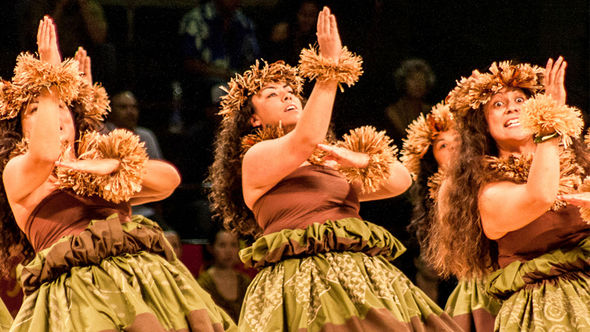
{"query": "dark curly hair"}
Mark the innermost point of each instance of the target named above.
(422, 210)
(225, 174)
(14, 245)
(456, 243)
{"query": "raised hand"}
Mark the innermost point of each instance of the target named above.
(554, 79)
(345, 157)
(94, 166)
(47, 42)
(84, 64)
(328, 36)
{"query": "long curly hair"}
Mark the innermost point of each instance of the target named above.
(14, 245)
(422, 211)
(456, 244)
(225, 174)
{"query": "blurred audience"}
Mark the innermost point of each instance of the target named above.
(217, 40)
(413, 80)
(81, 23)
(226, 285)
(125, 114)
(289, 37)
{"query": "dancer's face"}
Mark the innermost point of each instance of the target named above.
(444, 147)
(67, 131)
(502, 114)
(275, 103)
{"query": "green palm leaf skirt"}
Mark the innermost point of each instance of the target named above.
(114, 276)
(334, 276)
(472, 307)
(548, 293)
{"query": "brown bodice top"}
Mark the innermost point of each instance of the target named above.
(64, 213)
(311, 194)
(553, 230)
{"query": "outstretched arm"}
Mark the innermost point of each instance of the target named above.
(266, 163)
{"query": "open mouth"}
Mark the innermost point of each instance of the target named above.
(512, 123)
(290, 108)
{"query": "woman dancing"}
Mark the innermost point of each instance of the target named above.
(510, 169)
(323, 268)
(89, 264)
(427, 153)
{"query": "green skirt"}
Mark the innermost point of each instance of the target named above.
(334, 276)
(5, 317)
(472, 307)
(548, 293)
(114, 276)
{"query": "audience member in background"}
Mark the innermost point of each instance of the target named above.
(81, 23)
(226, 285)
(413, 80)
(217, 40)
(289, 37)
(125, 114)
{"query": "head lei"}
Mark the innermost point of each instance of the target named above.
(32, 75)
(476, 90)
(241, 87)
(422, 132)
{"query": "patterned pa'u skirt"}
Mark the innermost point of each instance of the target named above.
(334, 276)
(5, 317)
(472, 307)
(548, 293)
(112, 277)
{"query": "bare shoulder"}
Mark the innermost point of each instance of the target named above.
(22, 207)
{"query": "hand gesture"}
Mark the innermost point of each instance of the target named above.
(554, 80)
(328, 36)
(579, 199)
(94, 166)
(84, 64)
(345, 157)
(47, 42)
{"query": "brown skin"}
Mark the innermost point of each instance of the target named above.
(268, 162)
(507, 206)
(28, 178)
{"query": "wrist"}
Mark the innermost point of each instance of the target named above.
(544, 138)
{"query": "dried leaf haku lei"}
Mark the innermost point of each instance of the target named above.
(422, 132)
(516, 169)
(115, 187)
(542, 115)
(241, 87)
(347, 69)
(32, 75)
(364, 139)
(476, 90)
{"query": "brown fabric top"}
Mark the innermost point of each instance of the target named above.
(64, 213)
(554, 229)
(311, 194)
